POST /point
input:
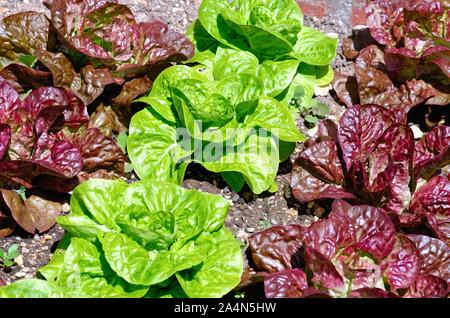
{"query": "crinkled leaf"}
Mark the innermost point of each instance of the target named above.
(314, 47)
(220, 271)
(289, 283)
(427, 287)
(434, 256)
(34, 213)
(402, 266)
(275, 249)
(432, 152)
(21, 34)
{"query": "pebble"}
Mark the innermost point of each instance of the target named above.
(322, 90)
(23, 244)
(48, 237)
(235, 198)
(242, 236)
(65, 207)
(274, 222)
(416, 131)
(20, 274)
(250, 229)
(19, 260)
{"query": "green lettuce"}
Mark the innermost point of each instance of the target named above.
(146, 239)
(229, 125)
(266, 38)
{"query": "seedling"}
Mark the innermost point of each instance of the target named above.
(7, 257)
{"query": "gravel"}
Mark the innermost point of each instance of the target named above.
(176, 13)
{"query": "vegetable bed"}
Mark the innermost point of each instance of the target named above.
(224, 149)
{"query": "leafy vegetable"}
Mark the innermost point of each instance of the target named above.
(91, 49)
(45, 143)
(369, 158)
(355, 252)
(45, 140)
(124, 238)
(107, 32)
(7, 257)
(266, 38)
(410, 65)
(21, 34)
(227, 125)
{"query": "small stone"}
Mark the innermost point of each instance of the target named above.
(65, 207)
(36, 237)
(417, 132)
(274, 222)
(23, 244)
(242, 236)
(20, 274)
(19, 260)
(48, 237)
(333, 35)
(292, 214)
(250, 229)
(313, 131)
(235, 198)
(322, 90)
(310, 205)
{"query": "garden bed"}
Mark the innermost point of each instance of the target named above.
(250, 214)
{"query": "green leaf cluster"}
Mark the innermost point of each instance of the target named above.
(267, 38)
(232, 127)
(146, 239)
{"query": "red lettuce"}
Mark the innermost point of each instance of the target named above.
(21, 34)
(107, 32)
(48, 141)
(354, 252)
(372, 84)
(34, 147)
(375, 160)
(88, 47)
(416, 35)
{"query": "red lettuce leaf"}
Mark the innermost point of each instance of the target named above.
(34, 213)
(107, 31)
(23, 78)
(21, 34)
(275, 249)
(374, 230)
(433, 201)
(324, 273)
(327, 236)
(402, 266)
(427, 286)
(5, 138)
(370, 293)
(37, 151)
(432, 152)
(359, 130)
(87, 85)
(434, 256)
(290, 283)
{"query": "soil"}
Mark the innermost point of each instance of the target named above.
(250, 213)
